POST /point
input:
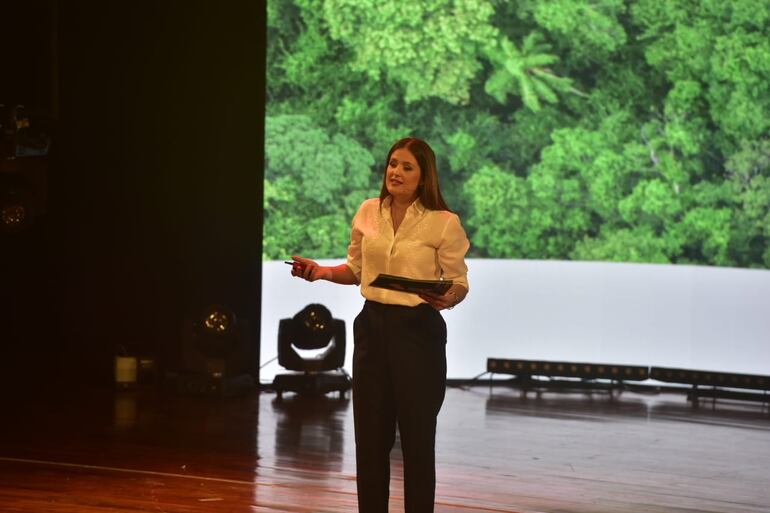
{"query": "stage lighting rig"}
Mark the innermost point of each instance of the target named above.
(705, 383)
(585, 373)
(312, 329)
(216, 355)
(15, 212)
(24, 146)
(215, 336)
(529, 368)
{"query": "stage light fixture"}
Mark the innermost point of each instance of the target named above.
(529, 368)
(312, 329)
(24, 145)
(217, 321)
(747, 387)
(13, 216)
(216, 356)
(722, 382)
(15, 208)
(710, 378)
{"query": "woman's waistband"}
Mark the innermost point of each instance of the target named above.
(387, 306)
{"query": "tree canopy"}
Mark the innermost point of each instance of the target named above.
(634, 130)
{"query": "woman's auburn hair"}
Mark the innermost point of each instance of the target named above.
(429, 190)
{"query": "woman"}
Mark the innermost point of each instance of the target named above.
(399, 360)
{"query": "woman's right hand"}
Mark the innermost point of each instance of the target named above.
(308, 269)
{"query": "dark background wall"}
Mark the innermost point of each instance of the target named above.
(154, 183)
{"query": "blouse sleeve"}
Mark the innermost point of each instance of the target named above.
(354, 249)
(451, 252)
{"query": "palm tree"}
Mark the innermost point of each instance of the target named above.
(525, 73)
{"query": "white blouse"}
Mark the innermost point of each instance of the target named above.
(429, 245)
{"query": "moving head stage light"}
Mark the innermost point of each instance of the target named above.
(216, 356)
(312, 328)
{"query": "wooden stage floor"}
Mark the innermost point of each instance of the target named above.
(76, 451)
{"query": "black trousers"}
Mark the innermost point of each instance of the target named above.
(399, 378)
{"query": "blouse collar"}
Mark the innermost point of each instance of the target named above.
(417, 205)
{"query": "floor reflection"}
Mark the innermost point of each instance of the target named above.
(589, 405)
(497, 450)
(310, 431)
(307, 450)
(604, 406)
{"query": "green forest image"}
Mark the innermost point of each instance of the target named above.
(625, 131)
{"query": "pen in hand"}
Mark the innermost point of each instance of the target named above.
(297, 268)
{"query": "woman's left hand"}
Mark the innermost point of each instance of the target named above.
(440, 302)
